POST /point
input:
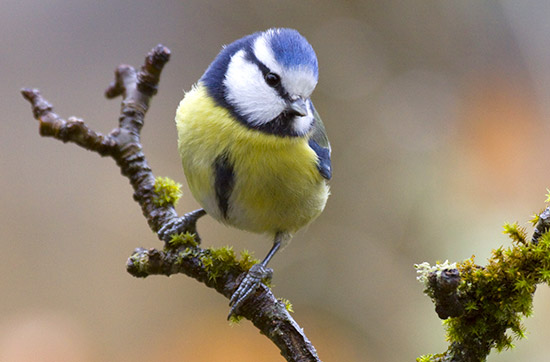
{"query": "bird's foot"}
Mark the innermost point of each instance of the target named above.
(178, 225)
(248, 286)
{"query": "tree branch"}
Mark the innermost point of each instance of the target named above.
(216, 268)
(483, 306)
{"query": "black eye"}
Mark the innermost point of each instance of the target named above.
(272, 79)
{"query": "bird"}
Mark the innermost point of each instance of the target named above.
(253, 147)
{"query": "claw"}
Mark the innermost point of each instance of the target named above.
(181, 224)
(248, 286)
(254, 277)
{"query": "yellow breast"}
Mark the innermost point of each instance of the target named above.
(277, 185)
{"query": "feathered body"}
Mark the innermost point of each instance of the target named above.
(253, 148)
(275, 186)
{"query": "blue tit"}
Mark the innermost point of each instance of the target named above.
(254, 149)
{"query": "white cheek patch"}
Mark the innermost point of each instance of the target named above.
(247, 91)
(302, 125)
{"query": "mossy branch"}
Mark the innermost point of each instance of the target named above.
(220, 268)
(483, 306)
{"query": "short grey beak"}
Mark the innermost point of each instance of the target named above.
(298, 107)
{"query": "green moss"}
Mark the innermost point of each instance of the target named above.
(218, 261)
(535, 219)
(247, 260)
(140, 262)
(188, 252)
(235, 319)
(224, 255)
(425, 358)
(166, 191)
(517, 233)
(496, 297)
(442, 357)
(182, 239)
(288, 305)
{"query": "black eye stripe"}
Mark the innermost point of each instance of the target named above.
(250, 56)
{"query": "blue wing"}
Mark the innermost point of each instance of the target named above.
(318, 141)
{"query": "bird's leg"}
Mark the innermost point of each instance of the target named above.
(178, 225)
(255, 275)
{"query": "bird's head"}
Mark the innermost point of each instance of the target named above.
(266, 80)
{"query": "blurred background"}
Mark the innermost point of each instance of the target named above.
(438, 113)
